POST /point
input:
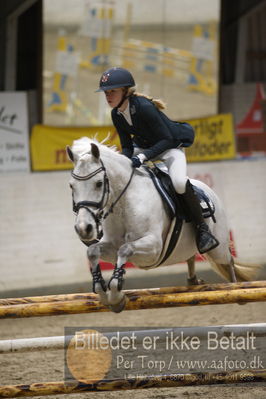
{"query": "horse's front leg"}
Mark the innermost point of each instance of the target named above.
(146, 246)
(94, 253)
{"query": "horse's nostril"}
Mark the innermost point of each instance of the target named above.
(89, 228)
(83, 230)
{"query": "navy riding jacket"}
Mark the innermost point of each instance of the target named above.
(151, 129)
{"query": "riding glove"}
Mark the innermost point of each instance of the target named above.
(138, 160)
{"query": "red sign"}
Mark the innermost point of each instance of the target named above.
(252, 122)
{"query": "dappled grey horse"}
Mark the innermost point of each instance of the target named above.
(121, 217)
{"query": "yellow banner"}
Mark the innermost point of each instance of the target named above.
(214, 139)
(48, 144)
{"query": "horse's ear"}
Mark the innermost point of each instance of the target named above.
(95, 151)
(70, 153)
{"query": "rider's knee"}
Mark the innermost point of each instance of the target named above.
(180, 184)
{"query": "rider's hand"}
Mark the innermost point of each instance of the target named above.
(138, 160)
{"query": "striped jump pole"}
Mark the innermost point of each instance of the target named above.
(135, 292)
(136, 299)
(62, 342)
(160, 381)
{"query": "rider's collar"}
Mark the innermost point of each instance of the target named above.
(126, 114)
(126, 110)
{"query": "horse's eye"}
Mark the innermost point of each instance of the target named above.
(70, 185)
(99, 184)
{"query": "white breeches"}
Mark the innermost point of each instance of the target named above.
(175, 160)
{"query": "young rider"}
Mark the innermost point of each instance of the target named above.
(145, 132)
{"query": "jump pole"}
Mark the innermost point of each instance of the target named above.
(136, 292)
(136, 302)
(62, 342)
(160, 381)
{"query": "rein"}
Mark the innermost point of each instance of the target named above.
(100, 214)
(120, 195)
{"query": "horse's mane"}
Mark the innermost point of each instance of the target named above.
(83, 146)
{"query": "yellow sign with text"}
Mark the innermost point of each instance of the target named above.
(48, 144)
(214, 139)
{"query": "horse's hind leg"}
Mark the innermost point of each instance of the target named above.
(192, 278)
(223, 264)
(232, 271)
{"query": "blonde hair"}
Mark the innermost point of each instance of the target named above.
(160, 104)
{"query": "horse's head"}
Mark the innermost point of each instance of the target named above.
(90, 191)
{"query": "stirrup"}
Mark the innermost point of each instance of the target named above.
(205, 239)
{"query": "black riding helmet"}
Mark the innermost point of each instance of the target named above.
(114, 78)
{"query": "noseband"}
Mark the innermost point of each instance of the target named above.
(100, 206)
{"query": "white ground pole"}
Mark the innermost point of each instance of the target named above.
(61, 342)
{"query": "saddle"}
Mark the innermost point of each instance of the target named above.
(173, 201)
(175, 206)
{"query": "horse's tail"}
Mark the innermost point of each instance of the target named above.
(243, 271)
(246, 271)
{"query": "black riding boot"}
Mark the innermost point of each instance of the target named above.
(204, 238)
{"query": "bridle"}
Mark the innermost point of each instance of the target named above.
(99, 215)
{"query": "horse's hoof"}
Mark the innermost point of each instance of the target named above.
(195, 281)
(103, 298)
(119, 306)
(201, 281)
